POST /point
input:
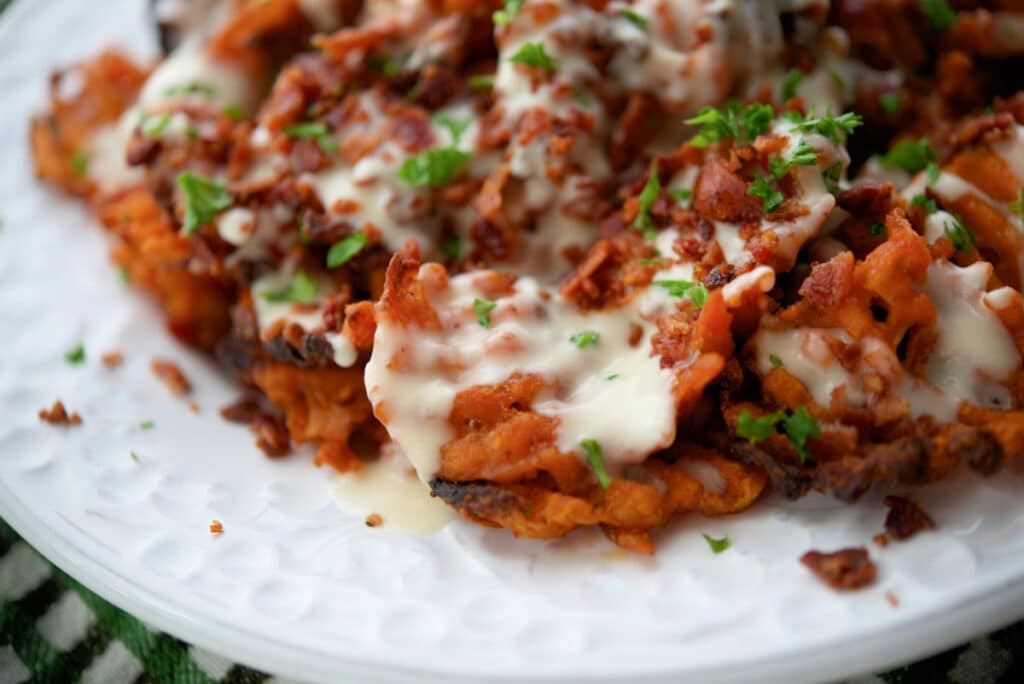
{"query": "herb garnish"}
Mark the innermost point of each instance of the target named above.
(596, 461)
(483, 308)
(942, 16)
(1017, 206)
(315, 130)
(204, 197)
(890, 103)
(802, 155)
(960, 235)
(910, 155)
(742, 124)
(534, 55)
(652, 188)
(637, 20)
(775, 360)
(877, 228)
(585, 339)
(80, 164)
(302, 290)
(342, 251)
(433, 168)
(696, 292)
(511, 11)
(683, 195)
(799, 427)
(76, 355)
(193, 88)
(927, 203)
(793, 80)
(835, 128)
(481, 81)
(717, 545)
(147, 425)
(454, 126)
(771, 198)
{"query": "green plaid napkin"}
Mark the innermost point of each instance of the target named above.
(53, 629)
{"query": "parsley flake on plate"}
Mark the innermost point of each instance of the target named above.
(483, 308)
(204, 197)
(596, 460)
(343, 250)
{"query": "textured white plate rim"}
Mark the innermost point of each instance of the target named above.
(987, 605)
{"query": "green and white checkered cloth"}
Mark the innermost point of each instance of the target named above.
(53, 629)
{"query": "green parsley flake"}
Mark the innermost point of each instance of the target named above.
(433, 168)
(204, 197)
(80, 164)
(910, 155)
(775, 360)
(76, 355)
(587, 338)
(652, 188)
(755, 430)
(682, 195)
(789, 86)
(890, 103)
(613, 376)
(315, 130)
(835, 128)
(696, 292)
(481, 81)
(596, 461)
(731, 122)
(235, 112)
(534, 55)
(302, 290)
(830, 177)
(147, 425)
(771, 198)
(941, 15)
(385, 66)
(341, 252)
(483, 308)
(802, 155)
(193, 88)
(124, 275)
(799, 427)
(452, 248)
(839, 81)
(135, 457)
(1017, 206)
(154, 127)
(717, 545)
(927, 203)
(960, 235)
(637, 20)
(931, 173)
(582, 96)
(877, 228)
(454, 126)
(511, 11)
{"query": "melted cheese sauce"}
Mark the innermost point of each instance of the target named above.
(413, 376)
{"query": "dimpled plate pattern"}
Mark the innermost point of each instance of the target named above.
(296, 587)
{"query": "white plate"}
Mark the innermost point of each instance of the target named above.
(296, 587)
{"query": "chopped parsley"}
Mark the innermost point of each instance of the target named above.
(154, 127)
(839, 81)
(193, 88)
(315, 130)
(483, 308)
(135, 457)
(534, 55)
(789, 86)
(696, 292)
(613, 376)
(890, 103)
(235, 112)
(481, 81)
(454, 126)
(931, 173)
(124, 275)
(941, 15)
(802, 155)
(877, 228)
(385, 66)
(717, 545)
(799, 427)
(835, 128)
(582, 96)
(637, 20)
(960, 235)
(511, 11)
(927, 203)
(76, 355)
(204, 197)
(742, 124)
(342, 251)
(775, 360)
(771, 198)
(80, 164)
(910, 155)
(1017, 206)
(652, 188)
(302, 290)
(830, 177)
(147, 425)
(596, 461)
(587, 338)
(681, 194)
(452, 248)
(433, 168)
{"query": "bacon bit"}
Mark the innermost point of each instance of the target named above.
(58, 415)
(846, 569)
(171, 375)
(244, 410)
(216, 527)
(881, 539)
(829, 283)
(374, 520)
(272, 436)
(193, 406)
(891, 599)
(905, 518)
(112, 359)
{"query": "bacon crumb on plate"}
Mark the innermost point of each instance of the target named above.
(172, 376)
(891, 599)
(374, 520)
(905, 518)
(58, 415)
(845, 569)
(112, 359)
(216, 527)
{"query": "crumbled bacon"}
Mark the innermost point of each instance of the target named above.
(272, 435)
(905, 518)
(112, 359)
(216, 528)
(58, 415)
(171, 375)
(374, 520)
(846, 569)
